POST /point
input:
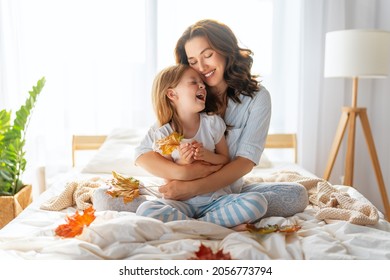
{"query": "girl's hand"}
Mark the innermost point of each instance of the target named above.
(186, 152)
(199, 151)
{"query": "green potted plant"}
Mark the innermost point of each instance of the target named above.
(14, 194)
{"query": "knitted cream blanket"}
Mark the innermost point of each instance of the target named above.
(76, 193)
(331, 203)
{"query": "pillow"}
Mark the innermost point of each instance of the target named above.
(117, 153)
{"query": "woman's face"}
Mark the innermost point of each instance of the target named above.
(207, 62)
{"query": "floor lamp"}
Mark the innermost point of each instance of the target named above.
(357, 54)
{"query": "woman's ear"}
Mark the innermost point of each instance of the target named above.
(171, 94)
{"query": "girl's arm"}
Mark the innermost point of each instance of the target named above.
(183, 190)
(159, 166)
(221, 155)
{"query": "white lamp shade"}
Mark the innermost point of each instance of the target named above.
(357, 53)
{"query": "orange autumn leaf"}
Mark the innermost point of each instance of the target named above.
(205, 253)
(273, 228)
(168, 144)
(123, 186)
(75, 224)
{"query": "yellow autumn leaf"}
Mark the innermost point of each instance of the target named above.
(168, 144)
(123, 186)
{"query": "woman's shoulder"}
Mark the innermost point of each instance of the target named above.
(260, 96)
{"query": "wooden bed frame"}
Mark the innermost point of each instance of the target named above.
(274, 141)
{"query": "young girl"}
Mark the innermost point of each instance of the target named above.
(179, 96)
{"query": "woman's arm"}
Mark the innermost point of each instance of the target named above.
(159, 166)
(229, 173)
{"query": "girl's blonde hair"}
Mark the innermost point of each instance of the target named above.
(164, 109)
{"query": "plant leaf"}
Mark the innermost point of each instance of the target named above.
(75, 224)
(12, 140)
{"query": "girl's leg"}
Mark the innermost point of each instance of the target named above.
(235, 209)
(166, 210)
(284, 199)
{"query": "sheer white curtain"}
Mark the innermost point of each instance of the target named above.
(94, 57)
(320, 100)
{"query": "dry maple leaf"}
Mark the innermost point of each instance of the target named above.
(122, 186)
(75, 224)
(205, 253)
(168, 144)
(273, 228)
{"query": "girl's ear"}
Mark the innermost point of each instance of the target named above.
(171, 94)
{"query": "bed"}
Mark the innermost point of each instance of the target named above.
(339, 224)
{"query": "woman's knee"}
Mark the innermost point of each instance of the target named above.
(302, 197)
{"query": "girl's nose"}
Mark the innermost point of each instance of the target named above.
(202, 86)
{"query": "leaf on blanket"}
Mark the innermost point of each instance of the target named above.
(205, 253)
(168, 144)
(75, 224)
(122, 186)
(272, 228)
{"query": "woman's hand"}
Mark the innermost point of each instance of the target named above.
(177, 190)
(199, 169)
(159, 166)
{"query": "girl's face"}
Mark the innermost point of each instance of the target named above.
(190, 94)
(207, 62)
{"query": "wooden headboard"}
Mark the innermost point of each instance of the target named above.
(274, 141)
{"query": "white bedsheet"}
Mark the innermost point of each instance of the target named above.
(123, 235)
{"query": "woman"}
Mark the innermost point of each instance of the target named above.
(179, 98)
(211, 48)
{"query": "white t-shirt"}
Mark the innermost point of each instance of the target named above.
(210, 132)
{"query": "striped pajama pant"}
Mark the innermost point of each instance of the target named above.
(256, 201)
(228, 210)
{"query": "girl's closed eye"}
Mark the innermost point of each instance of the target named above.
(192, 62)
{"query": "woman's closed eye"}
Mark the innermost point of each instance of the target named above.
(208, 54)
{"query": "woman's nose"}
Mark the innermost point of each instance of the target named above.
(201, 66)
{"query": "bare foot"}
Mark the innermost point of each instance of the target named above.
(241, 227)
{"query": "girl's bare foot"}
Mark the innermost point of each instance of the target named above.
(241, 227)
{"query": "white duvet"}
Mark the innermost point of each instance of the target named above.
(123, 235)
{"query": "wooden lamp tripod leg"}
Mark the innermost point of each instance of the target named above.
(336, 143)
(375, 161)
(350, 156)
